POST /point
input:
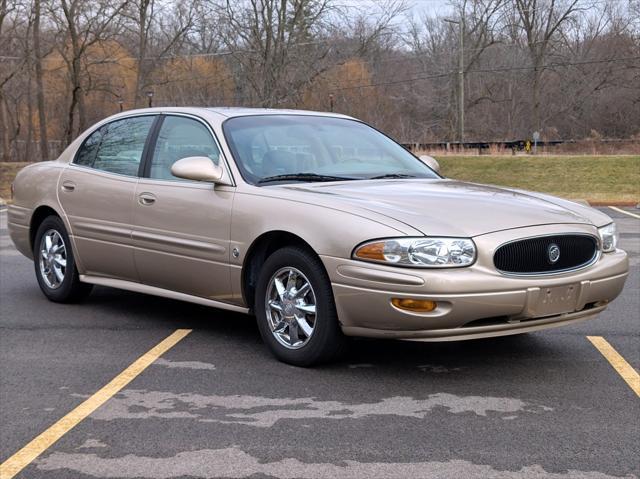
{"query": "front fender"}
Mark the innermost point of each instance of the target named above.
(596, 217)
(328, 231)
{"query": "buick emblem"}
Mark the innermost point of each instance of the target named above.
(553, 251)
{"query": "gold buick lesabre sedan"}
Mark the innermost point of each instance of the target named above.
(318, 224)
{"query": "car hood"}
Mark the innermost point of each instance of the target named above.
(450, 208)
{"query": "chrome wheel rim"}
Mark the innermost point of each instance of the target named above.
(53, 259)
(290, 304)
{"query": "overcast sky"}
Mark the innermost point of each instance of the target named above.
(429, 6)
(416, 7)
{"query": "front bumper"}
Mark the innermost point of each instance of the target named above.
(473, 302)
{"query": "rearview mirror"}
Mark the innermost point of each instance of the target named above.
(431, 163)
(198, 168)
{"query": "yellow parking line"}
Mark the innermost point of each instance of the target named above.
(620, 210)
(37, 446)
(623, 368)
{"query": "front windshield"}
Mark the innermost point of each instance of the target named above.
(290, 148)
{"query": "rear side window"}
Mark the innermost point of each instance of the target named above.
(181, 137)
(87, 153)
(116, 147)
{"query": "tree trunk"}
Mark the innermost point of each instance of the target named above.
(535, 99)
(142, 50)
(42, 118)
(71, 115)
(77, 100)
(4, 119)
(82, 108)
(28, 145)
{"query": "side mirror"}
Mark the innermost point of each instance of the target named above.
(431, 163)
(198, 168)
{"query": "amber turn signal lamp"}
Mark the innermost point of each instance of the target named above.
(414, 305)
(373, 251)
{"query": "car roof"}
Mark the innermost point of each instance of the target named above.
(233, 111)
(223, 112)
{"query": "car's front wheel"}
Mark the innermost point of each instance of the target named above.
(295, 309)
(55, 265)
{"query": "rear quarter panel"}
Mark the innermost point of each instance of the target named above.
(35, 186)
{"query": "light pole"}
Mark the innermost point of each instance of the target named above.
(460, 23)
(150, 97)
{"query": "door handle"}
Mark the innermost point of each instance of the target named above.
(146, 199)
(68, 186)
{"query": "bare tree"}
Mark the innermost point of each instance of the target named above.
(4, 13)
(82, 24)
(267, 37)
(205, 35)
(37, 60)
(541, 21)
(566, 69)
(14, 22)
(158, 28)
(432, 52)
(436, 47)
(145, 11)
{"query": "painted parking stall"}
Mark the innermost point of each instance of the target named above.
(216, 404)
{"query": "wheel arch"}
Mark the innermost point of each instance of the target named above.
(261, 248)
(38, 216)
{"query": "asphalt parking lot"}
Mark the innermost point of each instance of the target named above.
(216, 404)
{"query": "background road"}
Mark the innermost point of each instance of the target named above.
(546, 404)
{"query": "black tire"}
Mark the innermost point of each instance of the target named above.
(70, 289)
(327, 341)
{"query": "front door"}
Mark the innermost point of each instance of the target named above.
(97, 192)
(182, 228)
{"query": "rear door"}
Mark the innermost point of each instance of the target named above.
(97, 192)
(181, 228)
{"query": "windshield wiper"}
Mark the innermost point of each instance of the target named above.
(303, 177)
(391, 175)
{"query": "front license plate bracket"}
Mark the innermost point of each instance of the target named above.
(557, 300)
(549, 301)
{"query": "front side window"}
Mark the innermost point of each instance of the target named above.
(283, 147)
(116, 147)
(181, 137)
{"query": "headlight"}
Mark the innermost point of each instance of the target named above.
(608, 237)
(419, 252)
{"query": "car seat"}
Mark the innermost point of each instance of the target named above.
(279, 162)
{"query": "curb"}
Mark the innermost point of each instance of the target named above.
(583, 202)
(628, 203)
(633, 204)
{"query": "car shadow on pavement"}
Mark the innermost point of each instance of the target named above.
(240, 331)
(154, 310)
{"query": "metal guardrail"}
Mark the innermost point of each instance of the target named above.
(514, 145)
